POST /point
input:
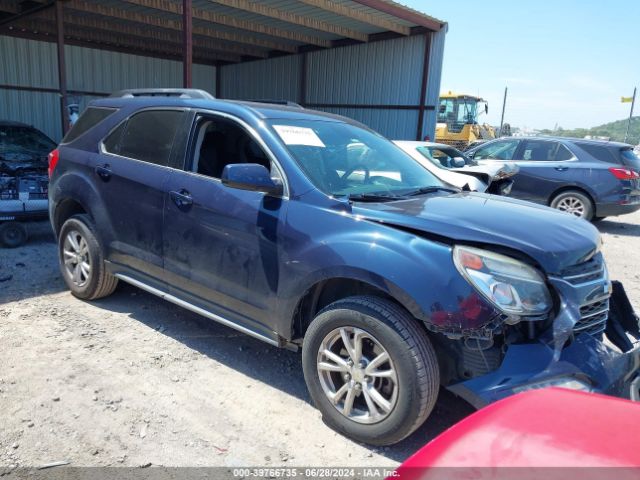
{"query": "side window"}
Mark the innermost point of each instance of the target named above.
(146, 136)
(538, 150)
(89, 118)
(497, 150)
(218, 142)
(563, 153)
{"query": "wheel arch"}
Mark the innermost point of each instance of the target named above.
(567, 188)
(330, 289)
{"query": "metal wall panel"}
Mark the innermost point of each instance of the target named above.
(274, 79)
(42, 110)
(385, 72)
(436, 57)
(102, 71)
(33, 64)
(28, 63)
(393, 124)
(204, 77)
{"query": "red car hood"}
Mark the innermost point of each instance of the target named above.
(552, 427)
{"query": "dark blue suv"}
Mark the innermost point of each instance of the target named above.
(265, 218)
(591, 179)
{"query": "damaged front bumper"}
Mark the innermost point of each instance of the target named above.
(608, 363)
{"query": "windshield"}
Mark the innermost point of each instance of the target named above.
(445, 157)
(454, 111)
(344, 160)
(24, 139)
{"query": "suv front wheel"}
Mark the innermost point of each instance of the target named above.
(370, 369)
(82, 260)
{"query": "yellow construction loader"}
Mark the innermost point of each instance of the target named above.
(458, 120)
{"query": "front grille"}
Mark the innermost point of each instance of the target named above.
(589, 278)
(593, 318)
(588, 271)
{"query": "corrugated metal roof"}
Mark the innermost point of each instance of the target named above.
(287, 26)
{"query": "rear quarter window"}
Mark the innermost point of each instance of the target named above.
(89, 119)
(147, 136)
(599, 152)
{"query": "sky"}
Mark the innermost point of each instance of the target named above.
(565, 62)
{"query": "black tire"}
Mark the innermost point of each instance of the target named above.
(597, 219)
(13, 234)
(98, 283)
(408, 346)
(581, 202)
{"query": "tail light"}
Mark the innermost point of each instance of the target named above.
(53, 161)
(624, 173)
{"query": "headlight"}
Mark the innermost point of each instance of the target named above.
(512, 286)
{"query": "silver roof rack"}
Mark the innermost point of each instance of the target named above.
(192, 93)
(287, 103)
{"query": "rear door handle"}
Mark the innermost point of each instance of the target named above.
(562, 169)
(104, 172)
(182, 198)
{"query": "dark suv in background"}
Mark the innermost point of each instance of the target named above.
(591, 179)
(258, 216)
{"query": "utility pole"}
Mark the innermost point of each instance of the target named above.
(504, 105)
(633, 102)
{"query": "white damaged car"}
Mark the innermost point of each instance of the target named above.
(455, 168)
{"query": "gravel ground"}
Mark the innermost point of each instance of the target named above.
(131, 380)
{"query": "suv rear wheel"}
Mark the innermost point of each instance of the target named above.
(82, 260)
(370, 369)
(574, 202)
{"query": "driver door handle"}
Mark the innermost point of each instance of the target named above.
(181, 198)
(562, 169)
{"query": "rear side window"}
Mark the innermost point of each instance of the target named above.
(89, 119)
(599, 152)
(631, 159)
(146, 136)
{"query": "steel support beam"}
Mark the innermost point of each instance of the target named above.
(187, 43)
(62, 67)
(423, 85)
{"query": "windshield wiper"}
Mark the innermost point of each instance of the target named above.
(432, 189)
(374, 197)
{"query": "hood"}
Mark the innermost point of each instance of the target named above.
(552, 238)
(22, 161)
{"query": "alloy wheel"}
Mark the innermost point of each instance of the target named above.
(77, 262)
(357, 375)
(572, 205)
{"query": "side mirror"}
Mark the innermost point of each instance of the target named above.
(250, 176)
(458, 162)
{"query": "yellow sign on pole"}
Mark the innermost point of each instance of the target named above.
(626, 99)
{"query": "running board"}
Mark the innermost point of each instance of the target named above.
(195, 309)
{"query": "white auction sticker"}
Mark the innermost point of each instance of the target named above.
(298, 136)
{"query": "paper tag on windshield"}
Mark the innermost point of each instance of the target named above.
(298, 136)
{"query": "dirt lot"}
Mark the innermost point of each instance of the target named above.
(131, 380)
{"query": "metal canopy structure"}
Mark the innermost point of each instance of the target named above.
(222, 34)
(222, 31)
